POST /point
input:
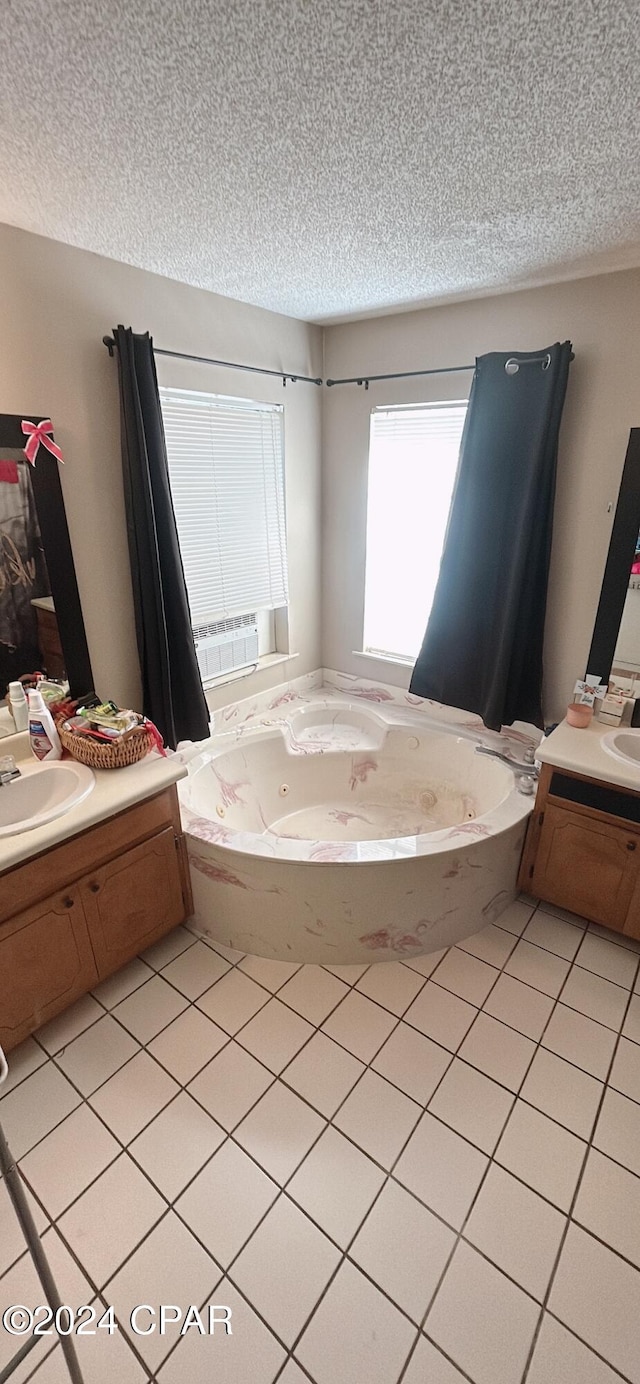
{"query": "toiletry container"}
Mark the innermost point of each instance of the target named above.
(18, 705)
(43, 736)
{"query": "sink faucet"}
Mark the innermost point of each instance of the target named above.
(526, 773)
(8, 769)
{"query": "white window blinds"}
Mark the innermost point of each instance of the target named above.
(226, 468)
(413, 459)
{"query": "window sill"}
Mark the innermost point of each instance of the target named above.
(384, 658)
(267, 661)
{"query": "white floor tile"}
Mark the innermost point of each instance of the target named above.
(378, 1118)
(492, 945)
(620, 939)
(64, 1163)
(275, 1035)
(171, 1267)
(323, 1073)
(555, 936)
(111, 1218)
(539, 968)
(285, 1267)
(170, 946)
(225, 1202)
(186, 1046)
(580, 1040)
(271, 974)
(195, 970)
(359, 1025)
(597, 998)
(62, 1030)
(173, 1148)
(279, 1131)
(355, 1335)
(94, 1057)
(466, 976)
(608, 1204)
(597, 1295)
(429, 1366)
(250, 1355)
(618, 1130)
(22, 1285)
(230, 1084)
(12, 1241)
(562, 1091)
(336, 1185)
(606, 959)
(482, 1320)
(229, 954)
(24, 1060)
(560, 1358)
(313, 993)
(520, 1006)
(292, 1374)
(116, 987)
(625, 1073)
(517, 1230)
(515, 918)
(149, 1009)
(441, 1016)
(392, 985)
(35, 1107)
(498, 1051)
(411, 1061)
(472, 1104)
(131, 1098)
(232, 1001)
(442, 1169)
(349, 974)
(631, 1027)
(425, 965)
(102, 1358)
(404, 1249)
(542, 1153)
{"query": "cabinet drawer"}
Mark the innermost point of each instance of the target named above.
(46, 962)
(134, 900)
(586, 865)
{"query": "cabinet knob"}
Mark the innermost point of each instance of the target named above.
(67, 901)
(94, 887)
(631, 845)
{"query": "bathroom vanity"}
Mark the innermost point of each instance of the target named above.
(85, 893)
(582, 850)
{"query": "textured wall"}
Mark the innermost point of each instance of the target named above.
(55, 306)
(600, 315)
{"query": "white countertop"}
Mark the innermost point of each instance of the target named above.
(581, 752)
(115, 790)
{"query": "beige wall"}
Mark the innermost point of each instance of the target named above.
(601, 317)
(56, 304)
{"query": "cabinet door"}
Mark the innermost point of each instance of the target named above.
(587, 866)
(46, 962)
(133, 900)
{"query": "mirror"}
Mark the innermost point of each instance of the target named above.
(615, 647)
(41, 624)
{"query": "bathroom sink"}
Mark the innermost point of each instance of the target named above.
(43, 792)
(623, 744)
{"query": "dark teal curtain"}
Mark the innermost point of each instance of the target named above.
(482, 650)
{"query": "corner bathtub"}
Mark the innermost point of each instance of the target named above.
(336, 836)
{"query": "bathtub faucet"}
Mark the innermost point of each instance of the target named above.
(526, 773)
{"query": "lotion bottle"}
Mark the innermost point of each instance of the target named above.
(43, 736)
(17, 702)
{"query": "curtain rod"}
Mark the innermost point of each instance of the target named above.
(512, 365)
(109, 342)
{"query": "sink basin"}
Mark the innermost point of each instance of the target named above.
(623, 744)
(43, 792)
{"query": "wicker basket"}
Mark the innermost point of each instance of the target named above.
(130, 748)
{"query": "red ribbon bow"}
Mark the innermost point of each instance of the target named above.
(40, 433)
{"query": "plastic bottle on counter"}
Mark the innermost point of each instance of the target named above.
(18, 705)
(43, 736)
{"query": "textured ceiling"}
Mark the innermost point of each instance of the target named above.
(327, 157)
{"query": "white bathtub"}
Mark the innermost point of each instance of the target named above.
(339, 834)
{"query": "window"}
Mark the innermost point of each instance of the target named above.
(226, 469)
(413, 458)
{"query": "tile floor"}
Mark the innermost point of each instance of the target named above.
(425, 1172)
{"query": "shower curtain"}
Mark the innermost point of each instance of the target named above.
(482, 650)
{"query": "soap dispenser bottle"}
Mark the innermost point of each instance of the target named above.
(18, 705)
(43, 736)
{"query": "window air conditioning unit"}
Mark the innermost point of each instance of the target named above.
(225, 645)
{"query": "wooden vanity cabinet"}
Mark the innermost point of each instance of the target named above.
(74, 915)
(582, 850)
